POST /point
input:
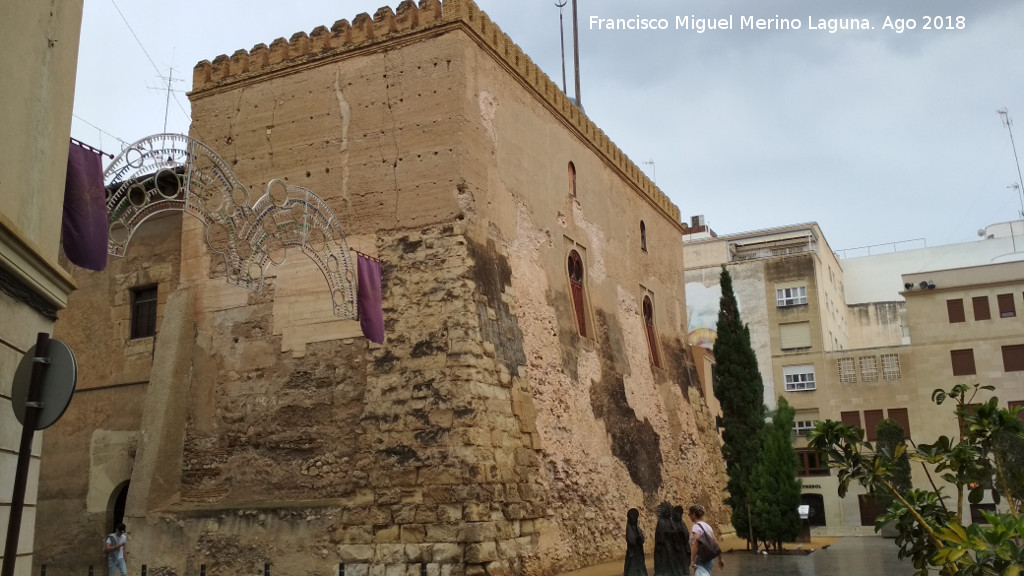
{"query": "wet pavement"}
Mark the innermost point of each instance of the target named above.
(851, 556)
(867, 556)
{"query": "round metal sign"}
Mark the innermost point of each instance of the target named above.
(58, 384)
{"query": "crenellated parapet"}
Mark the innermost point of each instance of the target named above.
(387, 25)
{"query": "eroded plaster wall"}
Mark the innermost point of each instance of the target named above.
(486, 435)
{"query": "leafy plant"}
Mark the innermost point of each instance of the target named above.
(988, 458)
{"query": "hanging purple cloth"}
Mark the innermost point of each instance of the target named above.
(84, 228)
(371, 311)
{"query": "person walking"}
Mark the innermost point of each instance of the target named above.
(700, 528)
(117, 552)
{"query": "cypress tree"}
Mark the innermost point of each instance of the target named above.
(889, 435)
(775, 487)
(740, 392)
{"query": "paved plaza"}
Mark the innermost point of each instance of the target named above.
(865, 556)
(851, 556)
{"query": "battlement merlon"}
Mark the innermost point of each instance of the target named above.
(386, 25)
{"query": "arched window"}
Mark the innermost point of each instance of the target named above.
(575, 269)
(643, 236)
(652, 341)
(572, 180)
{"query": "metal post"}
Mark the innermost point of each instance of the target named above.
(341, 569)
(202, 570)
(90, 569)
(144, 570)
(423, 569)
(266, 569)
(32, 410)
(576, 53)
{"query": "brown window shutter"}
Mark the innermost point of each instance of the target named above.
(871, 420)
(963, 362)
(851, 419)
(981, 308)
(1013, 358)
(1006, 306)
(900, 416)
(955, 309)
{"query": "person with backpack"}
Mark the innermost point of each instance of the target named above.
(117, 552)
(704, 549)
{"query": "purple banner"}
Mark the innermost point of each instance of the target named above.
(84, 228)
(370, 306)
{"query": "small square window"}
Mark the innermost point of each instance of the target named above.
(143, 312)
(799, 378)
(803, 427)
(791, 296)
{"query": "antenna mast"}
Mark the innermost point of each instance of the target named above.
(576, 53)
(1008, 122)
(561, 36)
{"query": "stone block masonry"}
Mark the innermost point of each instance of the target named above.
(486, 435)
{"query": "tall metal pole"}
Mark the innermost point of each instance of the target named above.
(40, 363)
(576, 52)
(561, 37)
(1020, 180)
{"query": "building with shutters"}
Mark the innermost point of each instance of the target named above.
(863, 338)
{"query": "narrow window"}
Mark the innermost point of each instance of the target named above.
(575, 266)
(955, 310)
(643, 236)
(871, 420)
(652, 341)
(900, 416)
(143, 312)
(572, 180)
(1013, 358)
(981, 309)
(963, 362)
(1006, 306)
(869, 368)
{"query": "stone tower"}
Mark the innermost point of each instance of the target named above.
(534, 383)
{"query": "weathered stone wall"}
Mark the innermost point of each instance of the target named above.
(93, 445)
(486, 434)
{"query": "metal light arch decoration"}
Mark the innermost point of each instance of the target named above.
(173, 172)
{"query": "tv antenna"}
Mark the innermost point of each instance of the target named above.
(1008, 122)
(561, 36)
(167, 87)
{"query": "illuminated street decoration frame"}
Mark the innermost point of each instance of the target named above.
(173, 172)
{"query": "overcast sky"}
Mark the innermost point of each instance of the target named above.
(877, 135)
